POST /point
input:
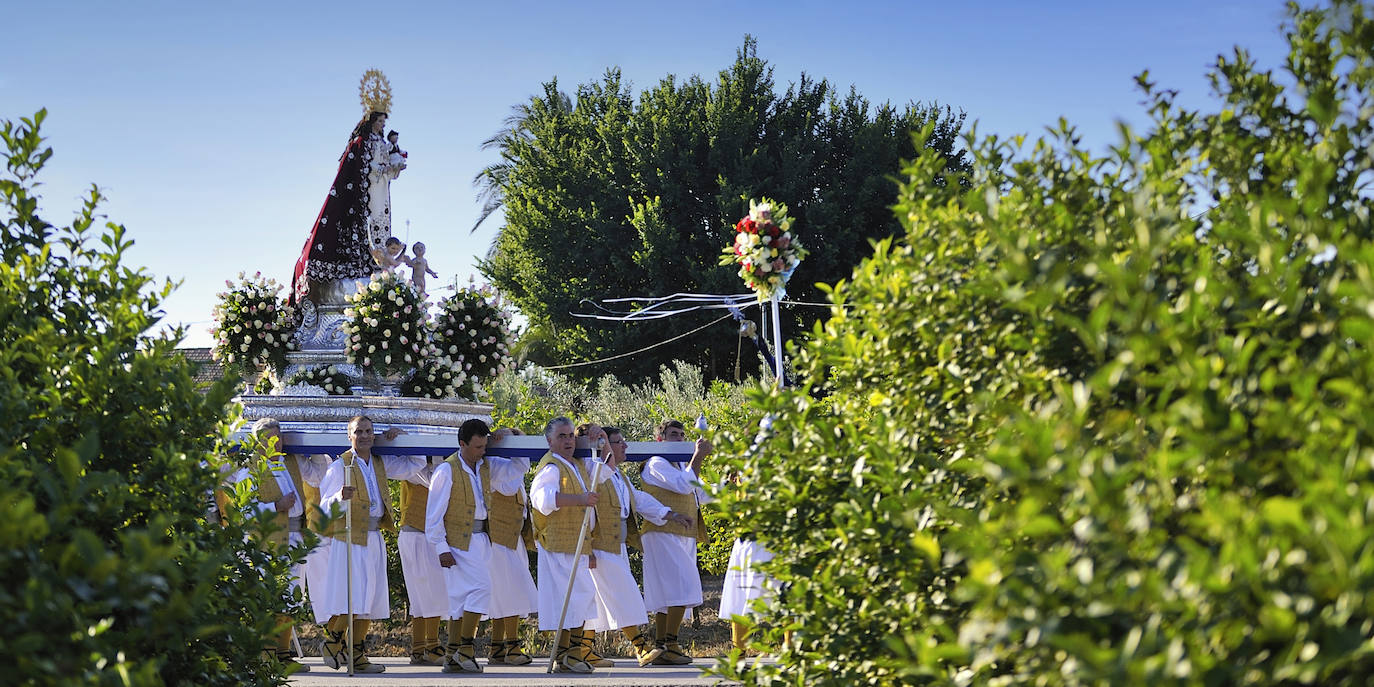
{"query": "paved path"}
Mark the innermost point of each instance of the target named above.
(626, 673)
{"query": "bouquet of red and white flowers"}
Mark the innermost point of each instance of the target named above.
(252, 326)
(765, 249)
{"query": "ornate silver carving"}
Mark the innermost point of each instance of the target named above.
(308, 316)
(322, 317)
(320, 341)
(387, 410)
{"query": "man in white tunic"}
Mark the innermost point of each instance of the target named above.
(456, 529)
(371, 511)
(671, 583)
(619, 605)
(560, 494)
(424, 578)
(513, 594)
(279, 482)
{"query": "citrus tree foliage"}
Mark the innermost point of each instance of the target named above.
(608, 196)
(1099, 420)
(109, 570)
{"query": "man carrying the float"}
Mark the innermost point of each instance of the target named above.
(671, 583)
(371, 511)
(513, 594)
(619, 604)
(560, 494)
(424, 578)
(456, 527)
(280, 483)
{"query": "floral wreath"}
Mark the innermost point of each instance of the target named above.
(472, 333)
(385, 324)
(252, 326)
(765, 249)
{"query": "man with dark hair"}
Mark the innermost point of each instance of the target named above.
(456, 526)
(371, 512)
(619, 605)
(671, 584)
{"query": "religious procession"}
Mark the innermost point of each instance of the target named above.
(1010, 363)
(465, 524)
(474, 500)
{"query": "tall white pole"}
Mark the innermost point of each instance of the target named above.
(777, 343)
(348, 561)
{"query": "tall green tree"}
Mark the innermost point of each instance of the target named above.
(1098, 420)
(606, 196)
(111, 573)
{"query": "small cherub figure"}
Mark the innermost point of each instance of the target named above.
(419, 267)
(397, 157)
(394, 255)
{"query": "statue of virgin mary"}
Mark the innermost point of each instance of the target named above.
(348, 238)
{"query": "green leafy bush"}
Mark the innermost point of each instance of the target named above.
(110, 572)
(1098, 420)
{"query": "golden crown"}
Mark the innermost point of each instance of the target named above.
(375, 92)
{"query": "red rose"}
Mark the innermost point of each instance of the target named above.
(773, 230)
(747, 225)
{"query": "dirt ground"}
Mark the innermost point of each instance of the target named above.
(704, 636)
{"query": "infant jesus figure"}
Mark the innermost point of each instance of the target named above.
(419, 267)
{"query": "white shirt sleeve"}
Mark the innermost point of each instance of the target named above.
(649, 507)
(660, 473)
(313, 467)
(331, 486)
(544, 490)
(440, 483)
(508, 474)
(404, 467)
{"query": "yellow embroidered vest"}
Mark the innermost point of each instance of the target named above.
(270, 492)
(679, 503)
(557, 531)
(508, 518)
(360, 503)
(414, 501)
(462, 507)
(606, 534)
(314, 517)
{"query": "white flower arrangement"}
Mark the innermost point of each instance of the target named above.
(325, 377)
(384, 349)
(435, 377)
(252, 325)
(471, 334)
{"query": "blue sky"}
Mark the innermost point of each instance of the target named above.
(215, 128)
